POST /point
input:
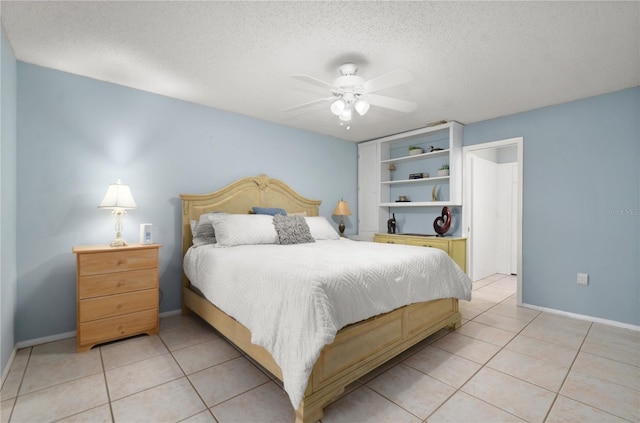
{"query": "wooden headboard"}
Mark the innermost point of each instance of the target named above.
(239, 197)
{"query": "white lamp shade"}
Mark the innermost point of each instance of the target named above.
(345, 116)
(118, 196)
(337, 107)
(361, 106)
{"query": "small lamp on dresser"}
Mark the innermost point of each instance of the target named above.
(118, 198)
(342, 210)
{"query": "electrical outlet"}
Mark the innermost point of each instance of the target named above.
(583, 279)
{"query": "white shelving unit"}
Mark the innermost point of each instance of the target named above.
(379, 187)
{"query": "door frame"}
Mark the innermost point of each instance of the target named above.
(467, 231)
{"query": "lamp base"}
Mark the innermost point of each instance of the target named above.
(118, 242)
(341, 227)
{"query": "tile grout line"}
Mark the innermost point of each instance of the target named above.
(569, 371)
(106, 385)
(477, 371)
(24, 372)
(206, 407)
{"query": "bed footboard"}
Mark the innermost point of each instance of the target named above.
(357, 349)
(362, 347)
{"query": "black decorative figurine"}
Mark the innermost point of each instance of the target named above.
(391, 225)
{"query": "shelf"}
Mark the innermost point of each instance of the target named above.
(417, 157)
(416, 181)
(420, 204)
(379, 186)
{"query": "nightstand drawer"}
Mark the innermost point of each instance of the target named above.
(116, 305)
(97, 331)
(117, 261)
(116, 283)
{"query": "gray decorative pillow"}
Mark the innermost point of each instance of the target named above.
(203, 233)
(292, 229)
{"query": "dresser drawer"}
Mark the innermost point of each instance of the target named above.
(455, 247)
(116, 305)
(97, 331)
(117, 261)
(116, 283)
(433, 243)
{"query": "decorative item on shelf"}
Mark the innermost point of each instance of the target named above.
(443, 222)
(392, 167)
(391, 225)
(432, 149)
(402, 199)
(342, 210)
(118, 198)
(434, 193)
(414, 150)
(444, 170)
(418, 175)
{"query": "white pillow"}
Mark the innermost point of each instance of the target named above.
(243, 229)
(320, 228)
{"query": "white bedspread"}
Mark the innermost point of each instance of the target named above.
(294, 298)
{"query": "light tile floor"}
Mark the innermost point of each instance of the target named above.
(506, 363)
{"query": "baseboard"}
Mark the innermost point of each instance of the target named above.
(5, 371)
(171, 313)
(584, 317)
(45, 339)
(60, 336)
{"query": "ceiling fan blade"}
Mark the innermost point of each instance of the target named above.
(392, 103)
(314, 81)
(309, 103)
(391, 79)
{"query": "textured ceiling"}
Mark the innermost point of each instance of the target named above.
(471, 60)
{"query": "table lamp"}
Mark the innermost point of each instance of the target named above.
(118, 198)
(342, 209)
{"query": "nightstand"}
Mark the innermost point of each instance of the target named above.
(116, 292)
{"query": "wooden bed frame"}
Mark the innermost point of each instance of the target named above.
(357, 348)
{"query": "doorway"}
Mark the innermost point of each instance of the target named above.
(492, 216)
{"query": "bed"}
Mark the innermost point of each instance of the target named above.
(356, 348)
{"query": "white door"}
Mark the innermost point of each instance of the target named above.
(483, 217)
(513, 262)
(506, 225)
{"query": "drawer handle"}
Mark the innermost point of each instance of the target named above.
(120, 330)
(119, 262)
(120, 282)
(119, 305)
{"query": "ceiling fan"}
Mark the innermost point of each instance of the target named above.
(350, 91)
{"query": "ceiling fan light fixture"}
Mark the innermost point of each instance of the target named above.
(361, 106)
(345, 116)
(338, 106)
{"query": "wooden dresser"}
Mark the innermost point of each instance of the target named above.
(455, 247)
(116, 291)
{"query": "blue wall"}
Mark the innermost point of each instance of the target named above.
(77, 135)
(581, 202)
(8, 186)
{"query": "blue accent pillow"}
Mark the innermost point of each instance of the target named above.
(271, 211)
